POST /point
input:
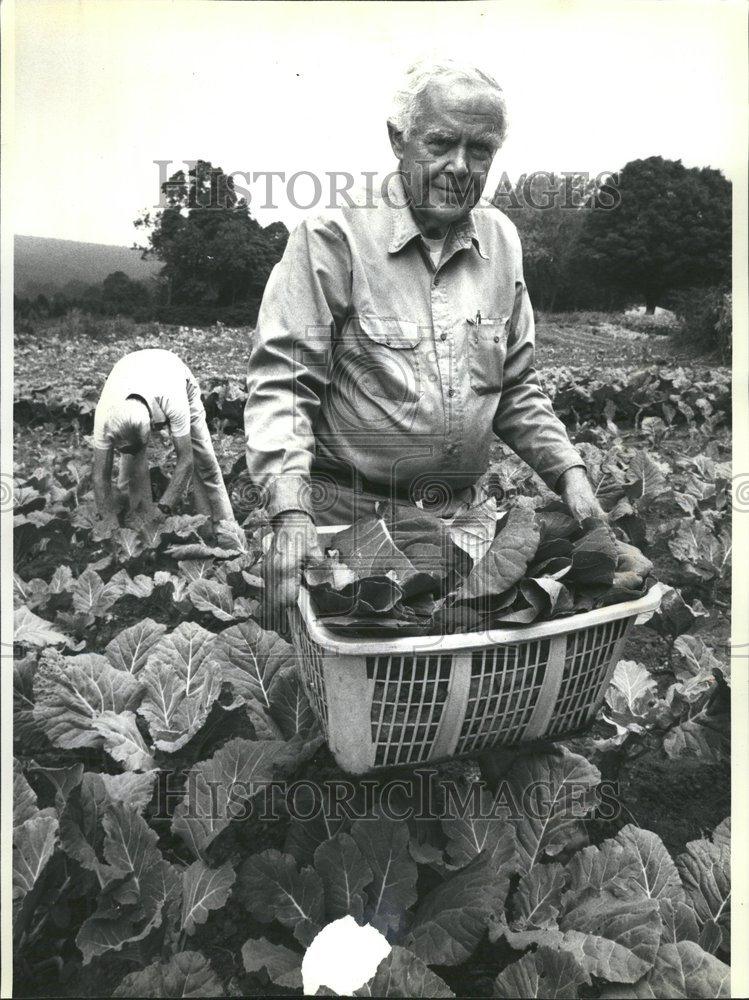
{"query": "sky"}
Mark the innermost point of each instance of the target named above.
(104, 88)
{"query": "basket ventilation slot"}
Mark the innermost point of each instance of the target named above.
(588, 656)
(409, 697)
(505, 684)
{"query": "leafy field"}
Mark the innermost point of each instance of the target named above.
(148, 698)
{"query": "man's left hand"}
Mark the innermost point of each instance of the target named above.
(577, 492)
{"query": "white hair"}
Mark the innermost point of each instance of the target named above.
(128, 423)
(418, 77)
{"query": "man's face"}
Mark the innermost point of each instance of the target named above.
(447, 155)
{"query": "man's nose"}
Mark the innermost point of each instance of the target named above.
(459, 162)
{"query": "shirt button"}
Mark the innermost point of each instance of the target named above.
(443, 336)
(496, 340)
(436, 280)
(450, 392)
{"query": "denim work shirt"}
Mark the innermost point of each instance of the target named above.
(371, 366)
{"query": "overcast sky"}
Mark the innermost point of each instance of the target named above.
(103, 88)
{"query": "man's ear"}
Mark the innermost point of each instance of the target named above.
(396, 140)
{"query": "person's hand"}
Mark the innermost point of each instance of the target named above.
(294, 546)
(107, 522)
(577, 493)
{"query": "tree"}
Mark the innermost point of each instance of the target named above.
(121, 295)
(548, 222)
(670, 229)
(216, 256)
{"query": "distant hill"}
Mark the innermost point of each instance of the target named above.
(43, 265)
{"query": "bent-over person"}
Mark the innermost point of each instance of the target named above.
(145, 390)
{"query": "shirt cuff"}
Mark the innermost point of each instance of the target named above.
(288, 493)
(553, 470)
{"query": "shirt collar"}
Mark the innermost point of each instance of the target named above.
(462, 235)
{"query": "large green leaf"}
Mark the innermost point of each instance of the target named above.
(655, 874)
(632, 690)
(680, 970)
(27, 732)
(186, 974)
(473, 530)
(384, 845)
(722, 833)
(368, 549)
(91, 595)
(182, 679)
(133, 790)
(545, 973)
(705, 869)
(35, 834)
(345, 875)
(219, 788)
(81, 829)
(507, 558)
(72, 692)
(271, 887)
(594, 558)
(123, 740)
(702, 737)
(123, 585)
(204, 889)
(303, 836)
(537, 901)
(478, 829)
(403, 974)
(289, 705)
(284, 966)
(422, 537)
(617, 942)
(212, 597)
(598, 876)
(129, 907)
(451, 919)
(24, 797)
(560, 788)
(130, 648)
(129, 846)
(31, 630)
(249, 657)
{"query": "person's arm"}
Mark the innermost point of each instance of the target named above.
(526, 421)
(182, 473)
(101, 475)
(306, 297)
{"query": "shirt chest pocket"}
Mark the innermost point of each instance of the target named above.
(487, 352)
(388, 361)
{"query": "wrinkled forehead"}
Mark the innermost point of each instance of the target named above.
(458, 103)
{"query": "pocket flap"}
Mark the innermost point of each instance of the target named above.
(396, 333)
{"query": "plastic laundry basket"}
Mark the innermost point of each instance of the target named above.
(406, 701)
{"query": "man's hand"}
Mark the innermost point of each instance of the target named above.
(294, 546)
(576, 491)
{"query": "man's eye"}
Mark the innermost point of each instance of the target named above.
(480, 152)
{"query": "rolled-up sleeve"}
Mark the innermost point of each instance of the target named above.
(304, 300)
(525, 419)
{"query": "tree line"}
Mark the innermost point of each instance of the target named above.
(657, 233)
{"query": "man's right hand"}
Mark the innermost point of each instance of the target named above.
(294, 546)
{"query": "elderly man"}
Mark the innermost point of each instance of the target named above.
(395, 341)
